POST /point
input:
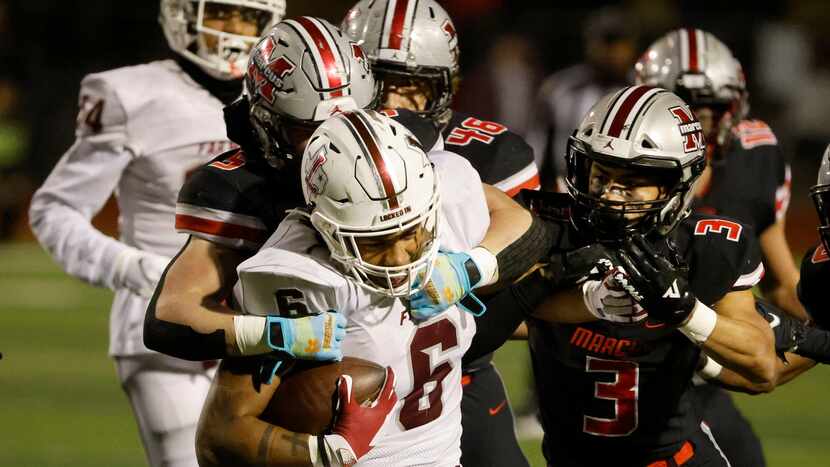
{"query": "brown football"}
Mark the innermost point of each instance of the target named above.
(305, 400)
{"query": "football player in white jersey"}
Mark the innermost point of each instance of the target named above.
(140, 130)
(377, 215)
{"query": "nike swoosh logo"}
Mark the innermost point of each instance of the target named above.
(497, 408)
(650, 325)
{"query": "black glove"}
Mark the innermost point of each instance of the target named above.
(573, 267)
(654, 282)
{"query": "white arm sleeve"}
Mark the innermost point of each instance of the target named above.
(80, 184)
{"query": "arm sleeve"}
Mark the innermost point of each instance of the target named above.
(80, 184)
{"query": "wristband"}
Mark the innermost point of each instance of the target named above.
(251, 338)
(701, 323)
(711, 369)
(487, 265)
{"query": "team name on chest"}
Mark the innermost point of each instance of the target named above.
(598, 343)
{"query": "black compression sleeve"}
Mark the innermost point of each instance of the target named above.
(533, 246)
(179, 340)
(505, 311)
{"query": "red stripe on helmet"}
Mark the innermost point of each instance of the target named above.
(398, 21)
(691, 33)
(625, 108)
(329, 68)
(377, 158)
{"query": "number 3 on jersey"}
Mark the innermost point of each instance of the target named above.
(423, 404)
(623, 392)
(474, 129)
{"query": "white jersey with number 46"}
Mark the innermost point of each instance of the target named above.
(293, 274)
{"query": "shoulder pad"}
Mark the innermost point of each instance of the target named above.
(503, 158)
(100, 107)
(721, 253)
(215, 202)
(277, 281)
(423, 128)
(754, 133)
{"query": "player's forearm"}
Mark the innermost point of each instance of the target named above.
(248, 441)
(786, 298)
(785, 372)
(69, 237)
(745, 348)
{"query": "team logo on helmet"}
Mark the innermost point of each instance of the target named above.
(316, 177)
(268, 75)
(690, 128)
(359, 55)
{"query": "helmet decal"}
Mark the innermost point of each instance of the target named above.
(399, 17)
(626, 109)
(368, 140)
(327, 57)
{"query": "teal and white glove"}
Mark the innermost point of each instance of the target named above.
(317, 337)
(454, 276)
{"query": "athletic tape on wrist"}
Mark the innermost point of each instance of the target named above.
(711, 369)
(250, 335)
(701, 323)
(487, 264)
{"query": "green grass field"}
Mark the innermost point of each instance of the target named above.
(60, 404)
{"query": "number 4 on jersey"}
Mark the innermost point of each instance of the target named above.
(474, 129)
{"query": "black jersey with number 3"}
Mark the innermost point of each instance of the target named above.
(615, 394)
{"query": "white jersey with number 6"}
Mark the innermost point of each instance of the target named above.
(293, 274)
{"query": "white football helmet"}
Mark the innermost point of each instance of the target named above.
(698, 67)
(300, 73)
(640, 127)
(820, 193)
(365, 175)
(187, 34)
(409, 39)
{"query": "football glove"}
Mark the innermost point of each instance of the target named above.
(607, 300)
(654, 282)
(139, 271)
(316, 337)
(356, 425)
(453, 278)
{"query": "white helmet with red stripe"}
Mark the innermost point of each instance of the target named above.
(221, 54)
(365, 175)
(644, 128)
(409, 39)
(698, 67)
(300, 73)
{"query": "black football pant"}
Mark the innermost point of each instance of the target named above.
(733, 432)
(489, 436)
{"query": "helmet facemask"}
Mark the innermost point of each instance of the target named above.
(436, 81)
(611, 220)
(821, 198)
(221, 54)
(394, 281)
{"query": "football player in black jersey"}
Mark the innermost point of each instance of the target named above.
(413, 51)
(670, 287)
(746, 178)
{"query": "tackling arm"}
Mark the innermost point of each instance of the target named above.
(785, 274)
(741, 339)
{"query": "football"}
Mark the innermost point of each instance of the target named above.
(305, 400)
